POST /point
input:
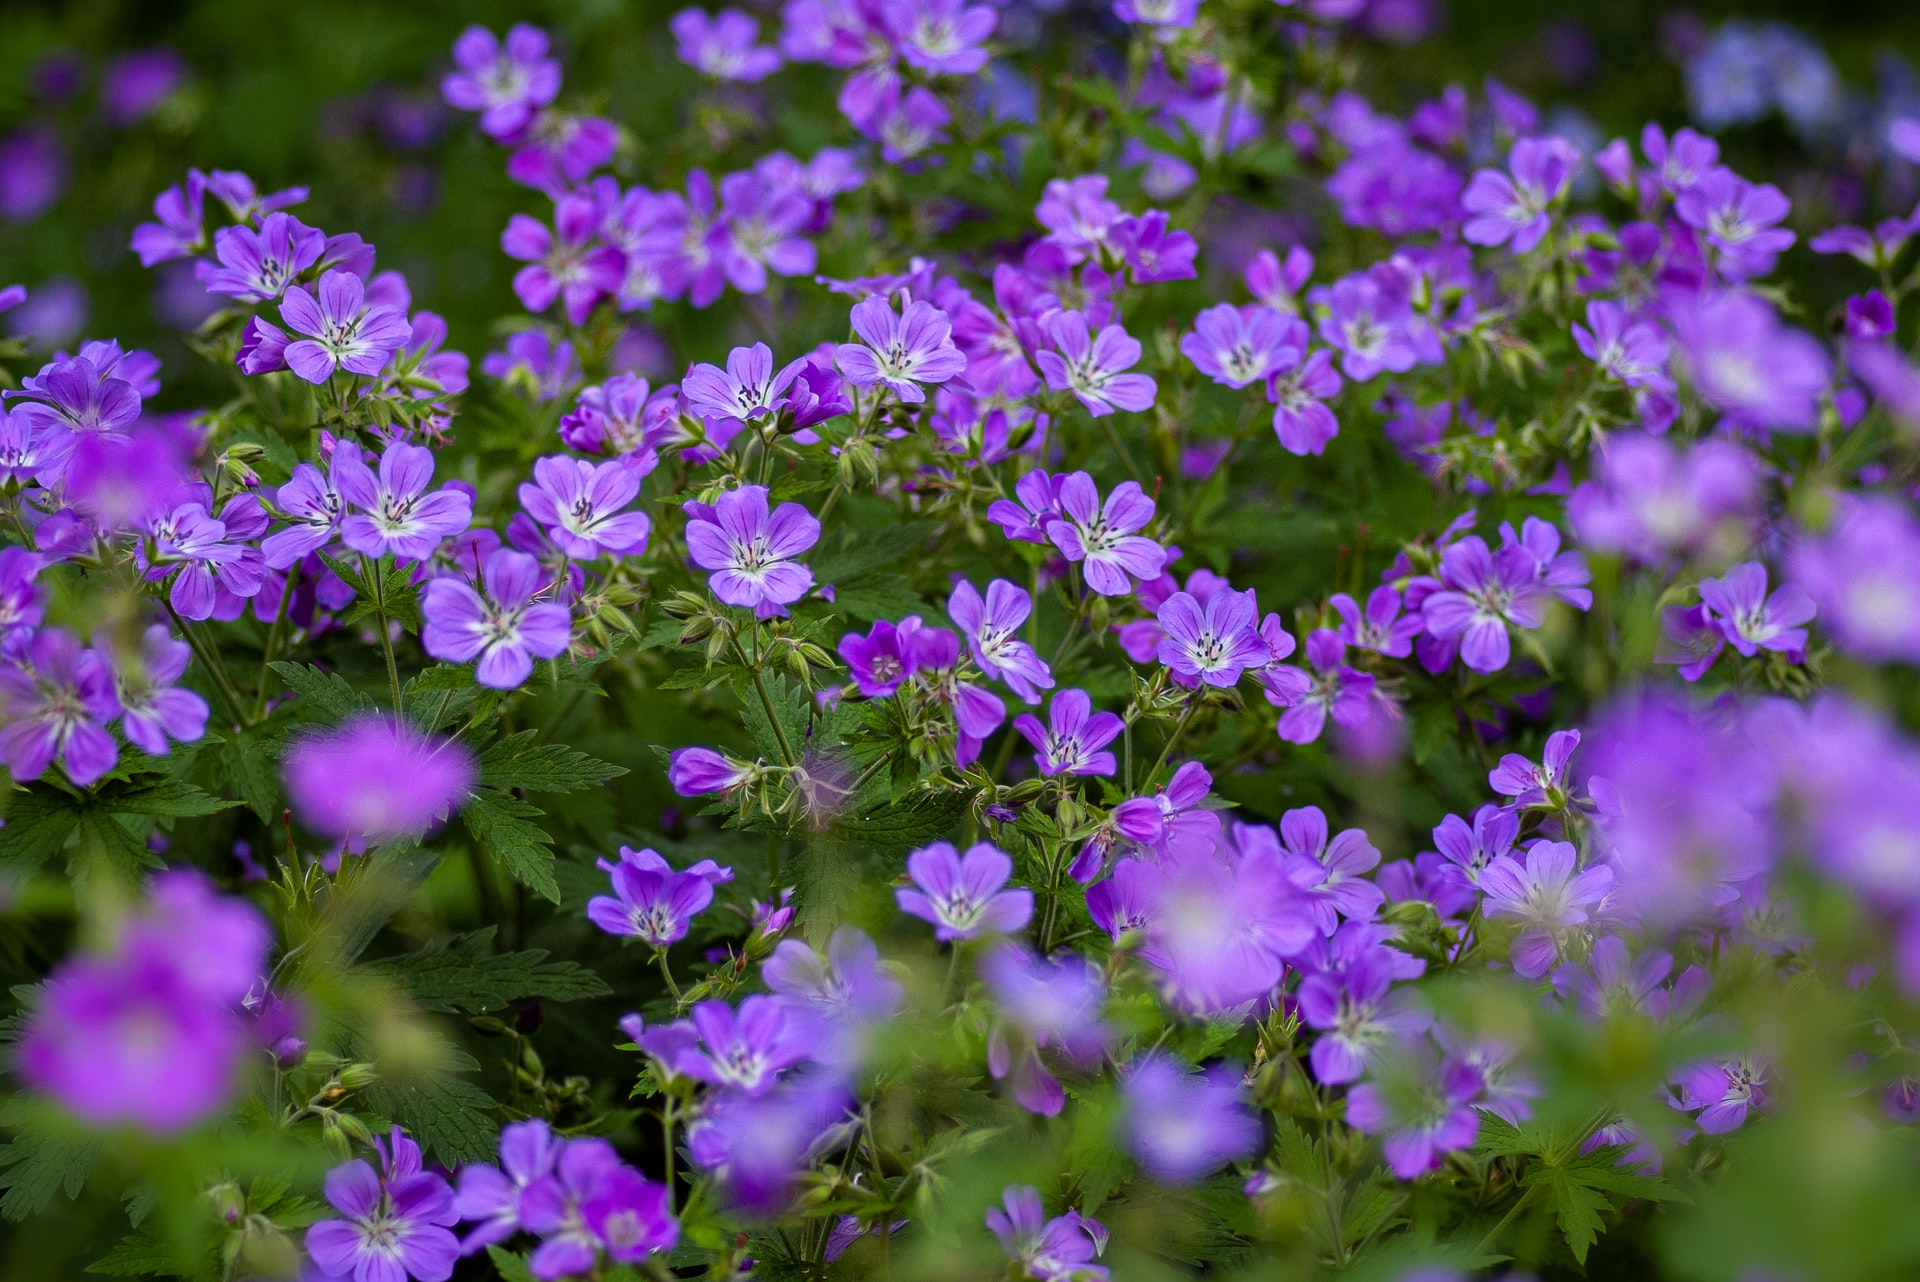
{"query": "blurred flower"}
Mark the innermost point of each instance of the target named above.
(374, 779)
(1184, 1126)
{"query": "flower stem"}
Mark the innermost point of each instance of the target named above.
(666, 971)
(215, 669)
(379, 586)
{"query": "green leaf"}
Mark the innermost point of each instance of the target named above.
(438, 695)
(168, 798)
(465, 975)
(38, 824)
(448, 1115)
(246, 766)
(499, 824)
(515, 762)
(37, 1164)
(512, 1268)
(326, 692)
(140, 1256)
(99, 829)
(872, 597)
(897, 828)
(1577, 1207)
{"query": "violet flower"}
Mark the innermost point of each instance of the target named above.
(1237, 346)
(1301, 421)
(902, 350)
(1214, 643)
(1058, 1250)
(505, 81)
(1863, 572)
(56, 702)
(1173, 823)
(501, 626)
(1381, 628)
(155, 709)
(1424, 1113)
(374, 780)
(962, 895)
(394, 1223)
(1103, 539)
(1739, 219)
(652, 902)
(1749, 619)
(879, 661)
(580, 505)
(564, 263)
(489, 1197)
(1485, 594)
(343, 331)
(991, 628)
(1513, 212)
(396, 513)
(748, 390)
(1092, 367)
(749, 551)
(1361, 1018)
(1074, 740)
(1331, 689)
(257, 266)
(694, 772)
(1183, 1126)
(722, 45)
(1546, 896)
(1544, 785)
(1369, 327)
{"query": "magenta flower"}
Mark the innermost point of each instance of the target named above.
(1075, 736)
(961, 895)
(500, 626)
(155, 709)
(722, 45)
(505, 82)
(1513, 211)
(343, 331)
(1546, 896)
(394, 1223)
(992, 628)
(879, 661)
(751, 552)
(1058, 1250)
(1749, 619)
(1237, 346)
(1092, 367)
(580, 505)
(1331, 689)
(57, 702)
(564, 263)
(1152, 249)
(652, 902)
(902, 350)
(374, 779)
(396, 514)
(1213, 643)
(1102, 539)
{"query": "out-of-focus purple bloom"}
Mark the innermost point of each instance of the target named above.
(1062, 1249)
(1044, 1003)
(179, 230)
(135, 84)
(1152, 250)
(374, 779)
(1653, 499)
(506, 82)
(962, 895)
(57, 700)
(1074, 740)
(901, 349)
(849, 987)
(1173, 823)
(1077, 214)
(1218, 928)
(1514, 211)
(1546, 896)
(1330, 689)
(1743, 361)
(1092, 367)
(1331, 871)
(33, 173)
(622, 418)
(535, 360)
(722, 45)
(563, 263)
(1369, 327)
(1103, 539)
(394, 1223)
(754, 1146)
(1613, 982)
(1737, 218)
(1361, 1018)
(750, 552)
(1863, 573)
(991, 627)
(1183, 1126)
(396, 513)
(1634, 352)
(1424, 1112)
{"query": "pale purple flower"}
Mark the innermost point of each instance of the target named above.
(1157, 13)
(651, 901)
(534, 360)
(748, 390)
(902, 349)
(343, 330)
(1369, 327)
(961, 895)
(1062, 1249)
(374, 779)
(1737, 218)
(257, 266)
(1468, 850)
(1749, 619)
(566, 262)
(1634, 352)
(1651, 498)
(1564, 574)
(1077, 214)
(1863, 572)
(1237, 346)
(1277, 283)
(1214, 643)
(1332, 871)
(1331, 689)
(1092, 366)
(500, 628)
(1301, 421)
(314, 508)
(201, 556)
(1485, 593)
(1547, 896)
(850, 986)
(941, 37)
(155, 709)
(764, 223)
(179, 230)
(1184, 1126)
(1743, 361)
(1362, 1019)
(395, 1221)
(907, 124)
(722, 45)
(1424, 1113)
(1381, 627)
(992, 628)
(749, 551)
(1036, 502)
(56, 702)
(22, 599)
(581, 503)
(622, 418)
(1545, 784)
(1075, 737)
(1514, 211)
(1103, 539)
(396, 513)
(489, 1197)
(1612, 982)
(1720, 1095)
(506, 82)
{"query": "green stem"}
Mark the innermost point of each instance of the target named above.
(1120, 448)
(666, 1131)
(1180, 728)
(379, 586)
(766, 703)
(215, 669)
(275, 636)
(660, 956)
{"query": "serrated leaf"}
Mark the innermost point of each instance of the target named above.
(450, 1116)
(106, 834)
(1576, 1207)
(515, 762)
(872, 597)
(512, 1268)
(325, 692)
(791, 704)
(36, 1165)
(898, 828)
(39, 821)
(246, 765)
(169, 798)
(498, 822)
(139, 1256)
(465, 975)
(438, 695)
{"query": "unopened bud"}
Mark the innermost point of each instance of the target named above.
(354, 1076)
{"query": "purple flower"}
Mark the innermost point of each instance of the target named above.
(395, 1222)
(1424, 1111)
(1331, 689)
(1485, 593)
(197, 551)
(941, 37)
(501, 625)
(57, 701)
(1546, 896)
(764, 222)
(1275, 283)
(136, 83)
(1369, 327)
(1361, 1017)
(75, 399)
(756, 1146)
(1468, 850)
(1634, 352)
(849, 987)
(396, 514)
(1075, 737)
(1652, 499)
(977, 713)
(1091, 367)
(1513, 212)
(902, 350)
(695, 772)
(1213, 643)
(1237, 346)
(1183, 1126)
(1331, 872)
(1102, 539)
(1863, 572)
(589, 1203)
(992, 627)
(563, 263)
(1720, 1095)
(879, 661)
(1043, 1002)
(619, 418)
(257, 266)
(1544, 785)
(748, 390)
(155, 711)
(1743, 361)
(314, 507)
(580, 505)
(534, 361)
(1752, 621)
(1739, 219)
(1077, 214)
(745, 1051)
(374, 779)
(22, 599)
(751, 552)
(489, 1197)
(1381, 628)
(1152, 249)
(1218, 927)
(180, 231)
(505, 82)
(343, 330)
(33, 173)
(1036, 501)
(1613, 983)
(1058, 1250)
(1302, 423)
(962, 895)
(652, 902)
(1174, 823)
(722, 45)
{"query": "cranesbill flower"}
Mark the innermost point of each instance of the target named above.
(1074, 740)
(1544, 785)
(1613, 982)
(1743, 361)
(1633, 352)
(1218, 929)
(1737, 218)
(1062, 1249)
(22, 599)
(1381, 628)
(1469, 849)
(1361, 1019)
(746, 1051)
(961, 894)
(506, 82)
(501, 625)
(1042, 1002)
(57, 702)
(764, 223)
(1369, 325)
(201, 556)
(592, 1202)
(1102, 539)
(374, 779)
(155, 709)
(1092, 367)
(1513, 211)
(941, 37)
(314, 507)
(695, 772)
(1721, 1095)
(534, 361)
(564, 263)
(977, 712)
(1276, 283)
(1184, 1126)
(1547, 896)
(1424, 1113)
(395, 1222)
(75, 398)
(992, 628)
(1236, 346)
(580, 505)
(651, 901)
(751, 552)
(1863, 572)
(902, 349)
(1214, 643)
(489, 1197)
(1077, 214)
(1331, 689)
(849, 986)
(879, 661)
(1153, 250)
(179, 230)
(343, 331)
(748, 390)
(1751, 620)
(1302, 423)
(722, 45)
(755, 1146)
(621, 418)
(257, 266)
(1485, 593)
(1036, 502)
(1174, 822)
(1333, 871)
(1651, 498)
(396, 513)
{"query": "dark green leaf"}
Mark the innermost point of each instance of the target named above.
(515, 762)
(464, 974)
(38, 824)
(169, 798)
(499, 824)
(326, 692)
